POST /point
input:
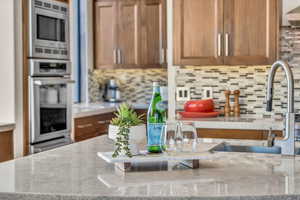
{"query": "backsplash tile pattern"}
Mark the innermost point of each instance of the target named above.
(251, 80)
(135, 84)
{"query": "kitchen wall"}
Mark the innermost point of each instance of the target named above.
(135, 84)
(251, 80)
(7, 69)
(288, 5)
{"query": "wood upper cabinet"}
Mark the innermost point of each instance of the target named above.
(197, 24)
(105, 36)
(227, 32)
(153, 33)
(251, 31)
(129, 33)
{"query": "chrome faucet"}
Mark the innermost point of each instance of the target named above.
(288, 143)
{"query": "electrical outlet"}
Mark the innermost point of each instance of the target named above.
(183, 94)
(207, 93)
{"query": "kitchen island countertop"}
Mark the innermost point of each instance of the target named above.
(75, 172)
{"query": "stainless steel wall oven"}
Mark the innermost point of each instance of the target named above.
(48, 29)
(50, 104)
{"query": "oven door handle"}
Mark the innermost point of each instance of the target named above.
(49, 82)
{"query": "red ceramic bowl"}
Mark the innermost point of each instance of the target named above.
(206, 105)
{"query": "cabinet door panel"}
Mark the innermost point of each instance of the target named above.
(153, 32)
(128, 32)
(252, 27)
(105, 33)
(197, 24)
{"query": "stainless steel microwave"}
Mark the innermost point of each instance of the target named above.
(48, 29)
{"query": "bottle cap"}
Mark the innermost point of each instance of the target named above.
(155, 84)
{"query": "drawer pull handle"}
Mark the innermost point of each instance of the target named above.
(227, 44)
(219, 44)
(85, 126)
(104, 122)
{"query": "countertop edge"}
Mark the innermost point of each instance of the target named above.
(4, 127)
(36, 196)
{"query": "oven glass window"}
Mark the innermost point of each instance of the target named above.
(53, 119)
(47, 28)
(53, 108)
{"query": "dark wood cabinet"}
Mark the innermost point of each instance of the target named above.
(91, 126)
(129, 33)
(65, 1)
(96, 125)
(229, 32)
(236, 134)
(6, 146)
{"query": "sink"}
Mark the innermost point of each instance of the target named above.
(247, 149)
(224, 147)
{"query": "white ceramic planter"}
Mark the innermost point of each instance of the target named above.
(137, 135)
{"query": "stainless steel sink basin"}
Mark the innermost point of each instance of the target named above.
(247, 149)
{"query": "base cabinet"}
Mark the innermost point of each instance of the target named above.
(6, 146)
(236, 134)
(91, 126)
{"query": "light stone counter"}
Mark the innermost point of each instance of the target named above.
(6, 126)
(243, 122)
(83, 109)
(75, 172)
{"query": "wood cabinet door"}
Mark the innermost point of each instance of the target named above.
(105, 33)
(251, 30)
(128, 32)
(6, 146)
(198, 28)
(153, 43)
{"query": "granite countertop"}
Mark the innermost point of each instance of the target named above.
(88, 109)
(6, 126)
(75, 172)
(243, 122)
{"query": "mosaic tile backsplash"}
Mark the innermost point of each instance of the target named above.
(135, 84)
(250, 80)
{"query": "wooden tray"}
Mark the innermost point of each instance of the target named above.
(189, 159)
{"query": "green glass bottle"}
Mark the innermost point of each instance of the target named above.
(156, 119)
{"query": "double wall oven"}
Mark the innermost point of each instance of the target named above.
(50, 98)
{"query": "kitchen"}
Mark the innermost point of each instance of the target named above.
(146, 41)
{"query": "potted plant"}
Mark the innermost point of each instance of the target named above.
(128, 130)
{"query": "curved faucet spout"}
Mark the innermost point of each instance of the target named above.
(290, 85)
